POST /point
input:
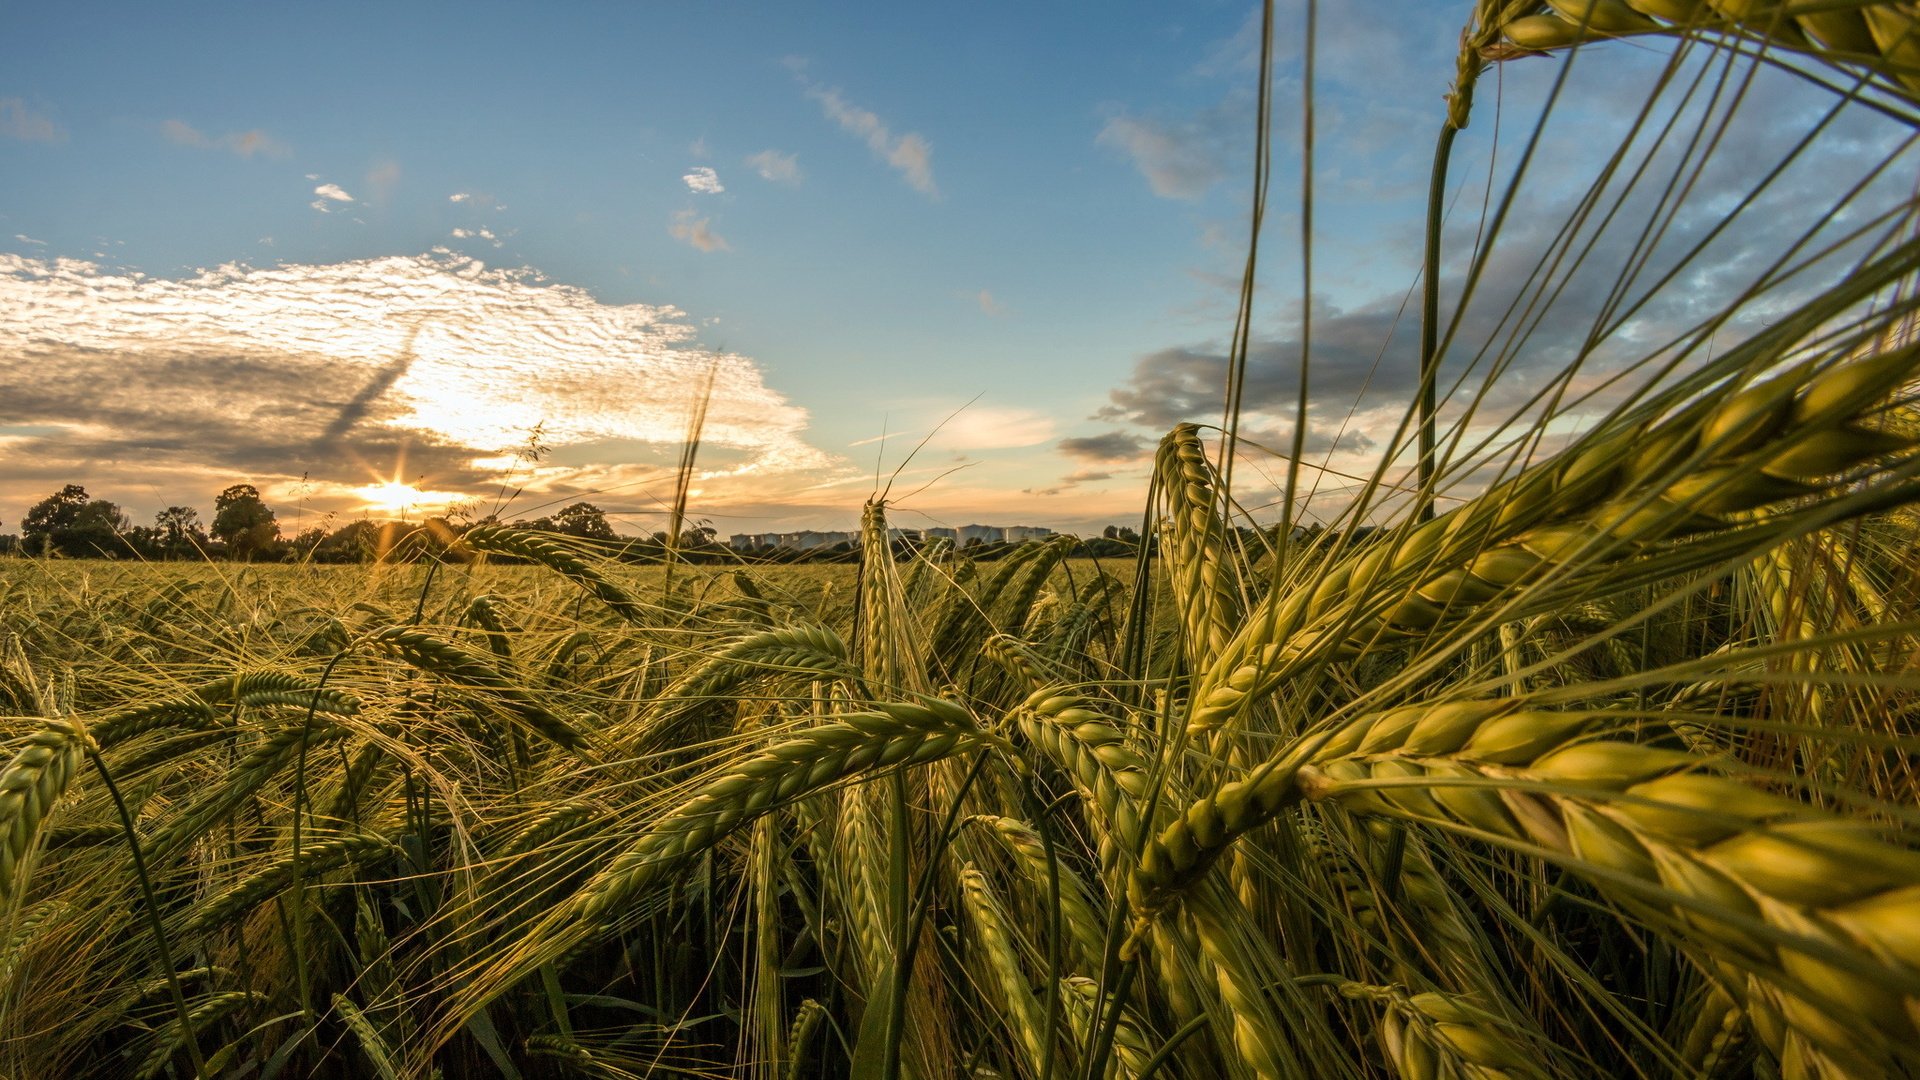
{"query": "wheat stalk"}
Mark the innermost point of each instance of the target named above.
(439, 657)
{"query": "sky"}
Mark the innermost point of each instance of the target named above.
(399, 258)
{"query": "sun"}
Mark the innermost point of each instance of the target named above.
(392, 496)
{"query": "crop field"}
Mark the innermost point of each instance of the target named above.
(1577, 741)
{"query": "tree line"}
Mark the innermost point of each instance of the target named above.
(72, 524)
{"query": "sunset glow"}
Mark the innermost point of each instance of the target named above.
(393, 497)
(884, 279)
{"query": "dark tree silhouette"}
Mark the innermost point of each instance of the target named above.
(582, 519)
(243, 522)
(48, 519)
(179, 531)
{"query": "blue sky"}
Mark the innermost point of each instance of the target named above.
(448, 224)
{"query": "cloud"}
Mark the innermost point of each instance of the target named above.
(476, 234)
(1070, 481)
(699, 148)
(988, 305)
(329, 194)
(244, 143)
(340, 371)
(776, 167)
(382, 178)
(1181, 159)
(1560, 294)
(703, 181)
(909, 154)
(25, 239)
(1111, 446)
(460, 196)
(697, 231)
(18, 121)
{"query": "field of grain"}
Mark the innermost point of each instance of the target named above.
(1604, 766)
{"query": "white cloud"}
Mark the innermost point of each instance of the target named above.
(476, 234)
(704, 181)
(329, 193)
(911, 154)
(244, 143)
(18, 121)
(25, 239)
(460, 196)
(697, 231)
(776, 167)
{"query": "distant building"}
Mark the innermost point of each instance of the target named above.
(808, 539)
(804, 540)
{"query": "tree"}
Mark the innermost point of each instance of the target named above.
(243, 522)
(180, 531)
(51, 516)
(582, 519)
(96, 530)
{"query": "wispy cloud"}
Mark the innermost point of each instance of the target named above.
(776, 167)
(697, 231)
(910, 154)
(25, 239)
(19, 121)
(382, 178)
(989, 305)
(1069, 482)
(1182, 158)
(702, 180)
(993, 427)
(244, 143)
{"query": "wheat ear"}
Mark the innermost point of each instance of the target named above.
(1207, 592)
(1617, 493)
(442, 658)
(556, 556)
(29, 786)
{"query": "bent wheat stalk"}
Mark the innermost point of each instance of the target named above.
(897, 735)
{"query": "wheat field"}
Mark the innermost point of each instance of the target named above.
(1553, 750)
